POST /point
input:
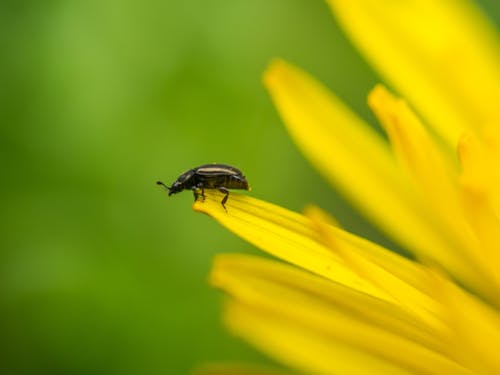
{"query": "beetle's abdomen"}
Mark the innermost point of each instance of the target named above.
(228, 181)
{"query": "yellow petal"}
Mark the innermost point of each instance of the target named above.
(282, 233)
(408, 271)
(475, 327)
(301, 241)
(479, 205)
(350, 155)
(307, 321)
(243, 276)
(487, 228)
(402, 279)
(298, 347)
(491, 139)
(440, 55)
(477, 156)
(436, 178)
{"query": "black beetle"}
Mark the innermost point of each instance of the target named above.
(209, 176)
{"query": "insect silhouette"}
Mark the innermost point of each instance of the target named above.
(209, 176)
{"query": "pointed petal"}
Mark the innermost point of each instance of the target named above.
(282, 233)
(308, 244)
(399, 277)
(436, 179)
(350, 155)
(440, 55)
(405, 269)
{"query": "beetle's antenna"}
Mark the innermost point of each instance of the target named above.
(162, 184)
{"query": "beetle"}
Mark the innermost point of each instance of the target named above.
(209, 176)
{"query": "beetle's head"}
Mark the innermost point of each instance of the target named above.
(175, 188)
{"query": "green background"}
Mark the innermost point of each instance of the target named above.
(100, 272)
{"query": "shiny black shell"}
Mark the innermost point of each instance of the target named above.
(210, 176)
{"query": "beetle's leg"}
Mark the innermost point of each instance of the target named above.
(197, 187)
(195, 193)
(202, 194)
(224, 200)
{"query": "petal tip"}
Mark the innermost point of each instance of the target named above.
(200, 206)
(276, 69)
(377, 96)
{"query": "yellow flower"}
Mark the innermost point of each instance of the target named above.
(344, 305)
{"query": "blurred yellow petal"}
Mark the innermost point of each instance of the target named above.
(299, 347)
(441, 55)
(282, 233)
(477, 156)
(244, 276)
(475, 327)
(349, 154)
(491, 143)
(479, 203)
(486, 225)
(321, 124)
(436, 177)
(312, 322)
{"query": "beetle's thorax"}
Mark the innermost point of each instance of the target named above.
(185, 181)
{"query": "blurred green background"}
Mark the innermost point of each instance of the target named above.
(100, 272)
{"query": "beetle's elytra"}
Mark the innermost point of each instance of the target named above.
(209, 176)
